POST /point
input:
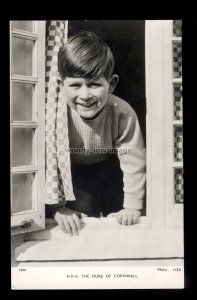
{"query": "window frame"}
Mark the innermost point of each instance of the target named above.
(174, 211)
(163, 211)
(35, 219)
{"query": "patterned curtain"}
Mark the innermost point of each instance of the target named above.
(58, 174)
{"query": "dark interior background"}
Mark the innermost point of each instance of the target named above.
(126, 39)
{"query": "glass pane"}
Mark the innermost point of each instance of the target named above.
(22, 146)
(22, 105)
(177, 28)
(178, 144)
(23, 25)
(178, 185)
(178, 107)
(23, 192)
(22, 56)
(177, 59)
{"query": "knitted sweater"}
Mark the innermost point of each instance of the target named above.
(116, 128)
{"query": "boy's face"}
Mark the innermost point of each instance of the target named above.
(87, 97)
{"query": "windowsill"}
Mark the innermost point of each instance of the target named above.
(101, 239)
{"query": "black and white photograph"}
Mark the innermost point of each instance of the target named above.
(96, 154)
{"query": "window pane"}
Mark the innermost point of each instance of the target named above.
(22, 146)
(178, 185)
(177, 28)
(177, 59)
(23, 192)
(23, 25)
(22, 103)
(178, 108)
(22, 56)
(178, 144)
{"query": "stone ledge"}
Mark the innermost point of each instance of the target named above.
(101, 240)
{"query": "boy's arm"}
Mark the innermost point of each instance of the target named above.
(131, 153)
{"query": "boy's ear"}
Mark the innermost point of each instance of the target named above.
(113, 82)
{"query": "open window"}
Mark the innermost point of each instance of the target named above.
(148, 60)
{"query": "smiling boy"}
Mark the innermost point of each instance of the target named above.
(109, 177)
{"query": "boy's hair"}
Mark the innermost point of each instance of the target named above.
(85, 55)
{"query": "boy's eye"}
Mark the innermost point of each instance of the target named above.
(94, 84)
(75, 85)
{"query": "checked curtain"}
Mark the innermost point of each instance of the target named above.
(58, 174)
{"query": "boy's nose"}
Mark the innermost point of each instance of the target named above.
(84, 93)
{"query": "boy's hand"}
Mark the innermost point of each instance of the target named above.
(127, 216)
(69, 220)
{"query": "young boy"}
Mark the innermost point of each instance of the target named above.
(106, 144)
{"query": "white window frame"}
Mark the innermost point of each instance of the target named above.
(161, 208)
(173, 211)
(35, 218)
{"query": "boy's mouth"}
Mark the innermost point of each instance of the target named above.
(86, 104)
